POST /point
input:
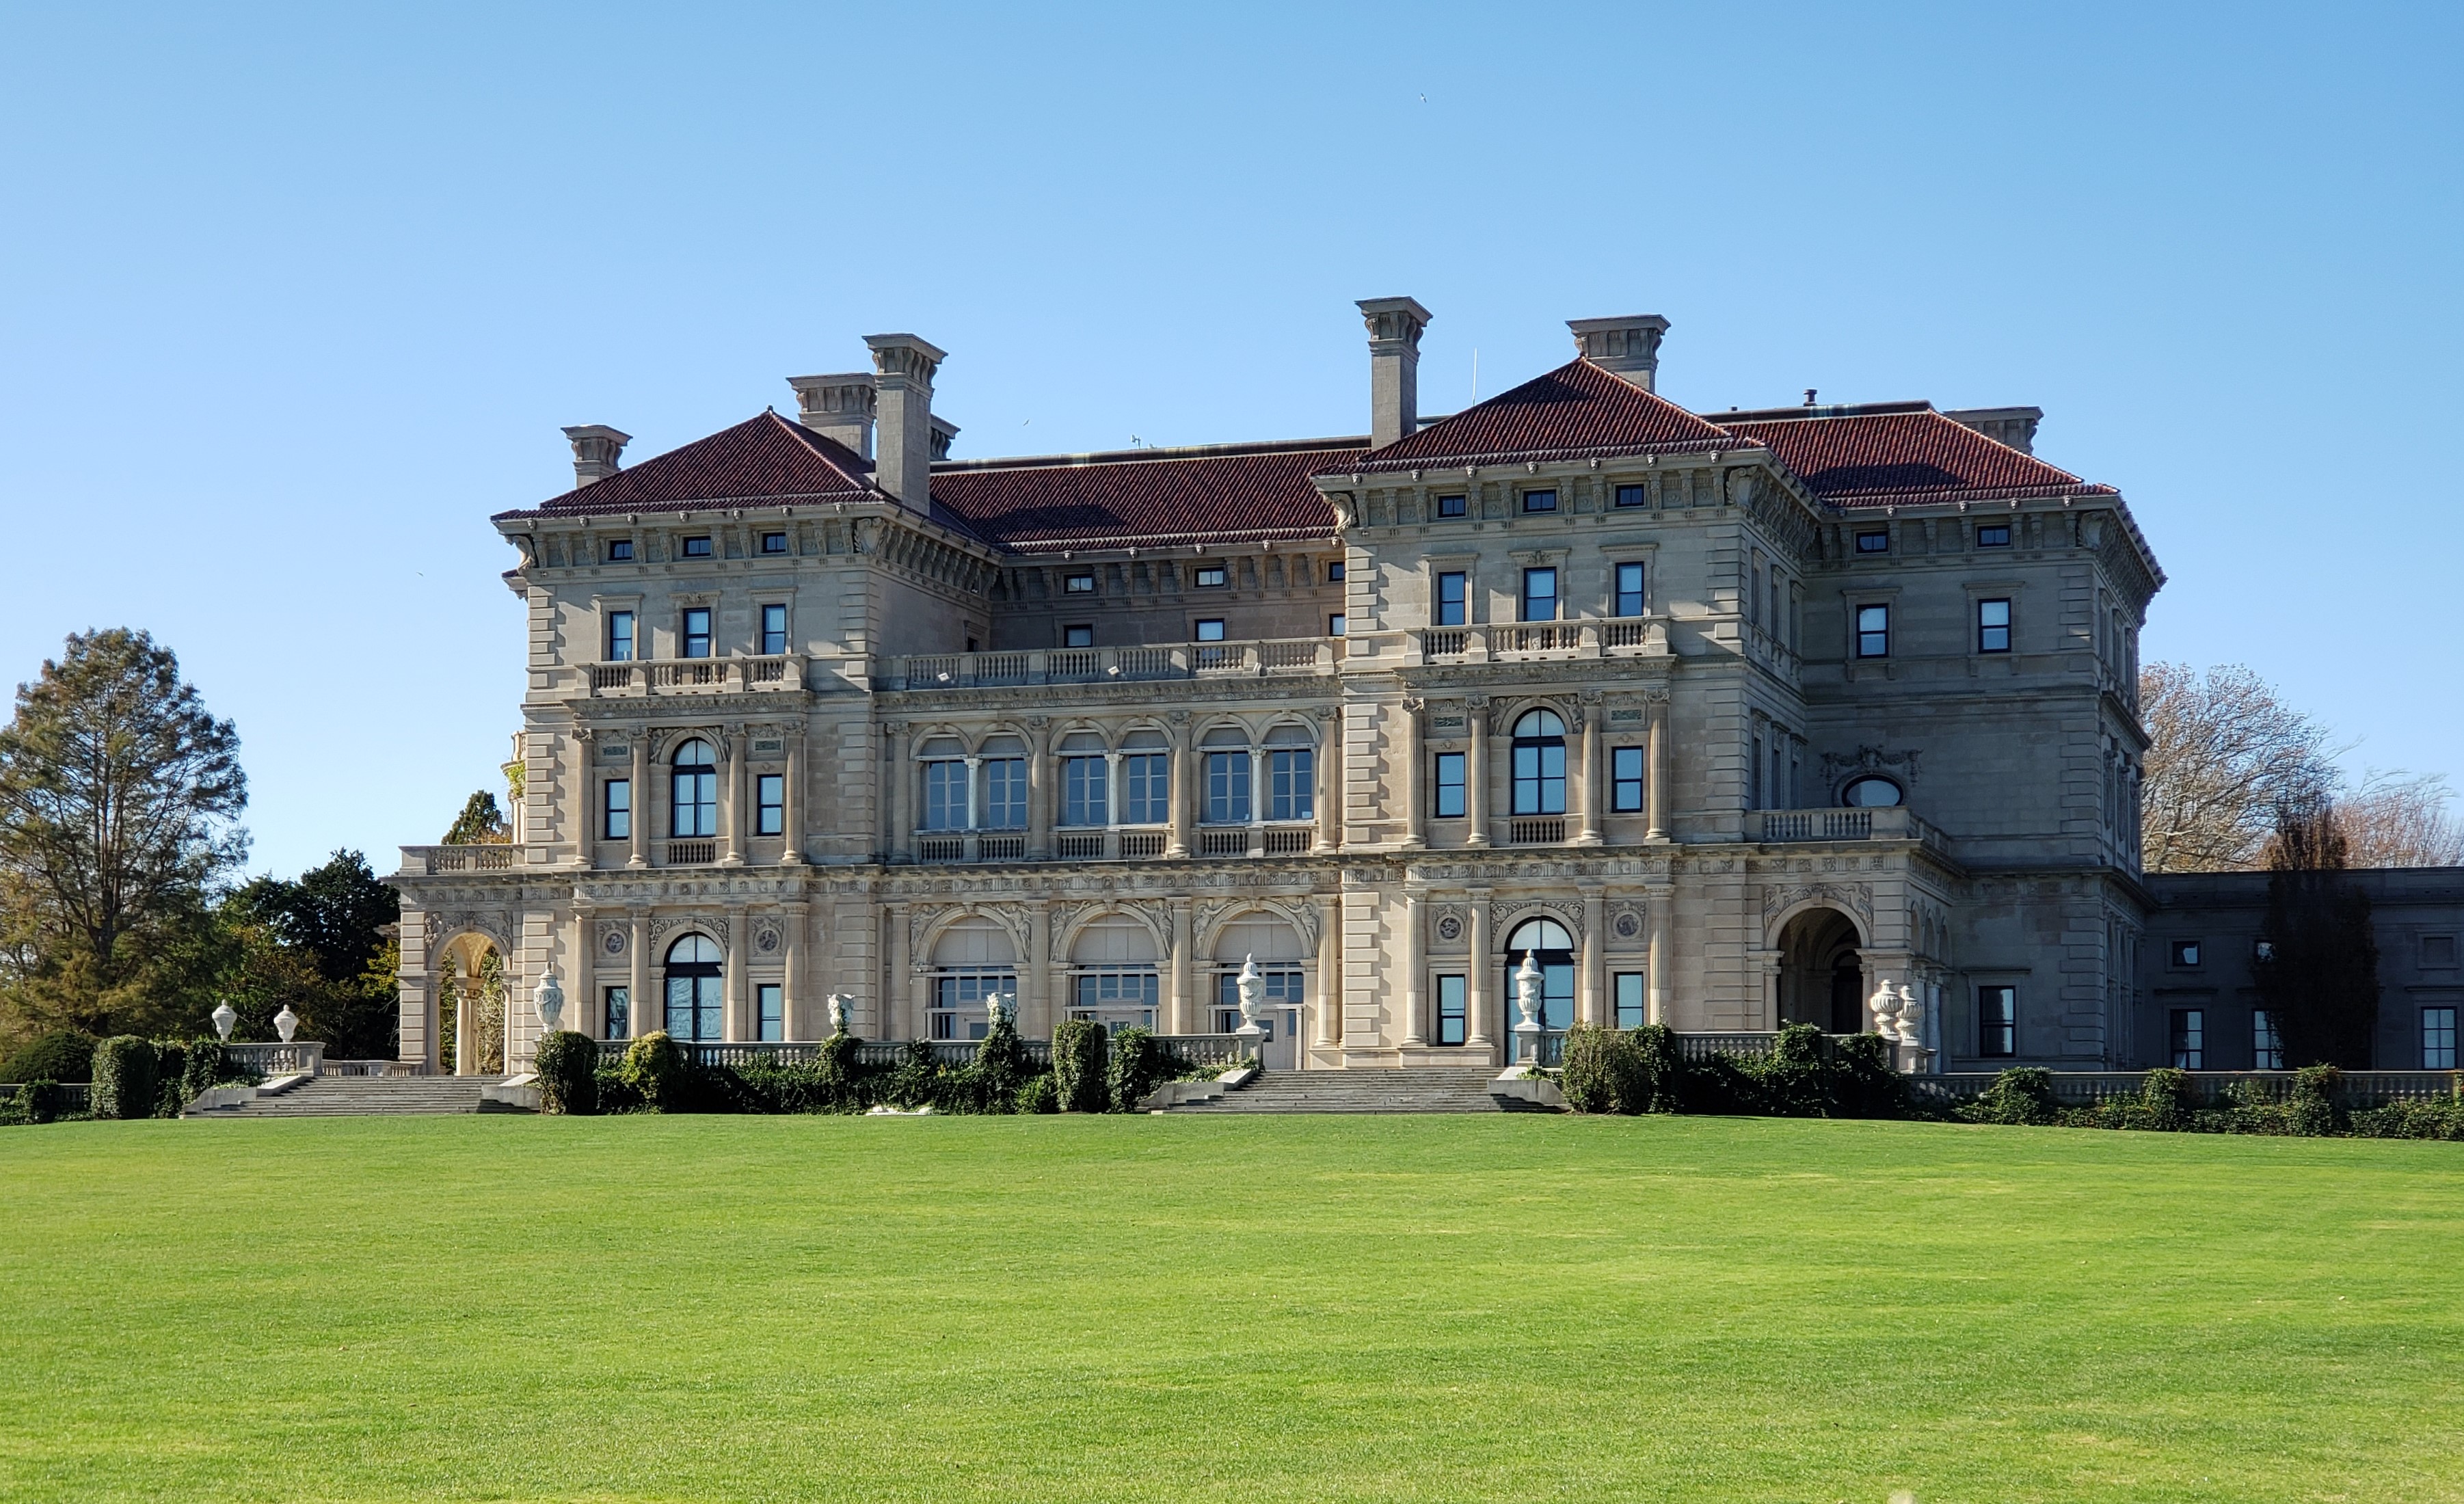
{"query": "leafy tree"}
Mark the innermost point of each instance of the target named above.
(479, 824)
(119, 802)
(319, 943)
(2320, 980)
(337, 913)
(2222, 751)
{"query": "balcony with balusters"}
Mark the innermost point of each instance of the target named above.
(1156, 662)
(1524, 642)
(661, 677)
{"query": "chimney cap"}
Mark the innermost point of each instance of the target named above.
(1394, 317)
(598, 430)
(905, 354)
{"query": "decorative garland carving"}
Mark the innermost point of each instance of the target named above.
(1505, 912)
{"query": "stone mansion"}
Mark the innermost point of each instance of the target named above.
(1723, 720)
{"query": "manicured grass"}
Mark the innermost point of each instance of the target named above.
(1289, 1309)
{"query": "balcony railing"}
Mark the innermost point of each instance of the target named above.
(431, 859)
(1183, 660)
(1524, 641)
(1890, 824)
(1201, 1049)
(1549, 831)
(654, 676)
(691, 853)
(301, 1057)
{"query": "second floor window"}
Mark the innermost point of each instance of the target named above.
(1998, 1021)
(620, 636)
(1227, 788)
(1211, 630)
(1005, 794)
(1082, 635)
(693, 793)
(1449, 804)
(1625, 780)
(1454, 599)
(695, 636)
(1146, 788)
(945, 794)
(1085, 791)
(1540, 765)
(1539, 595)
(774, 629)
(1629, 589)
(616, 809)
(1289, 785)
(1994, 626)
(769, 804)
(1873, 632)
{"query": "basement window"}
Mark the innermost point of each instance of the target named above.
(696, 547)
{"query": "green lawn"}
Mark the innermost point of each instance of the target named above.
(1238, 1308)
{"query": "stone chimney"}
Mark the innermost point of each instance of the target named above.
(1394, 325)
(598, 452)
(944, 434)
(839, 406)
(902, 377)
(1629, 347)
(2015, 427)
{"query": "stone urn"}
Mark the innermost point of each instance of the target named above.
(840, 1005)
(999, 1006)
(1884, 1005)
(1251, 988)
(1530, 989)
(223, 1019)
(549, 999)
(286, 1022)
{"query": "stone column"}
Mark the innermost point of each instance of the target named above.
(1415, 963)
(791, 813)
(1257, 799)
(461, 999)
(1588, 833)
(1659, 900)
(731, 820)
(1476, 975)
(1329, 790)
(1476, 772)
(646, 1016)
(1184, 784)
(583, 1003)
(975, 776)
(1656, 708)
(893, 981)
(738, 1023)
(1184, 1004)
(1113, 795)
(1592, 1001)
(794, 917)
(639, 821)
(582, 787)
(895, 784)
(1039, 795)
(1416, 777)
(1036, 1014)
(1330, 970)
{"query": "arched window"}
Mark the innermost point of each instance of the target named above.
(972, 960)
(1539, 765)
(1870, 793)
(1114, 981)
(694, 1007)
(1547, 942)
(1276, 947)
(943, 762)
(692, 807)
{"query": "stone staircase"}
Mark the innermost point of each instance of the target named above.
(1417, 1089)
(370, 1096)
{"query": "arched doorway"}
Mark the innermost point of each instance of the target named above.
(471, 1006)
(972, 960)
(1821, 977)
(1112, 974)
(695, 1007)
(1277, 948)
(1547, 942)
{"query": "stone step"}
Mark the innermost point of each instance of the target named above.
(1444, 1088)
(381, 1096)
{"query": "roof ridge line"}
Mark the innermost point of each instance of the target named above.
(1128, 457)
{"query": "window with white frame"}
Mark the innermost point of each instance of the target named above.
(2439, 1039)
(1291, 773)
(1086, 780)
(770, 804)
(1227, 777)
(1005, 806)
(2188, 1042)
(1146, 779)
(2266, 1045)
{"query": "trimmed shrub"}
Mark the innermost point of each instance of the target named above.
(1589, 1077)
(1862, 1082)
(1139, 1065)
(1719, 1087)
(123, 1077)
(1792, 1075)
(208, 1065)
(1662, 1065)
(2022, 1095)
(1078, 1065)
(1039, 1095)
(1001, 1067)
(63, 1054)
(37, 1101)
(170, 1068)
(614, 1090)
(2317, 1107)
(2166, 1102)
(657, 1071)
(916, 1081)
(2443, 1118)
(567, 1065)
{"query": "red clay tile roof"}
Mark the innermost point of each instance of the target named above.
(1256, 492)
(1905, 457)
(1574, 411)
(766, 459)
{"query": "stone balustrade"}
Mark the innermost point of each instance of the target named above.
(653, 677)
(496, 857)
(300, 1057)
(1156, 661)
(1520, 642)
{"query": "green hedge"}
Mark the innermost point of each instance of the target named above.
(124, 1084)
(64, 1054)
(1141, 1063)
(656, 1073)
(1078, 1050)
(567, 1066)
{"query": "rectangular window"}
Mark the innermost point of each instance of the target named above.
(1227, 788)
(1005, 794)
(2189, 1039)
(1335, 572)
(697, 633)
(1876, 541)
(696, 547)
(769, 804)
(1539, 775)
(1146, 788)
(1632, 1013)
(1539, 595)
(1993, 535)
(1994, 626)
(958, 995)
(620, 636)
(1086, 794)
(2439, 1039)
(2266, 1046)
(1081, 635)
(620, 551)
(1290, 784)
(1539, 501)
(1873, 632)
(1629, 589)
(1625, 780)
(774, 543)
(1210, 576)
(774, 630)
(945, 794)
(1629, 496)
(1450, 804)
(2186, 953)
(616, 1012)
(1451, 506)
(1211, 630)
(1998, 1021)
(771, 999)
(1079, 584)
(1454, 599)
(1335, 625)
(1453, 1010)
(616, 809)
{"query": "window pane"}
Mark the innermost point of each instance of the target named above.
(1629, 589)
(1451, 1010)
(771, 1000)
(1453, 594)
(770, 804)
(1288, 780)
(1629, 496)
(1451, 506)
(1211, 630)
(1084, 795)
(1005, 794)
(1539, 595)
(2266, 1050)
(1227, 788)
(774, 543)
(1873, 632)
(774, 629)
(1994, 626)
(1539, 501)
(2189, 1039)
(617, 1013)
(1625, 772)
(1540, 777)
(1630, 1004)
(1449, 804)
(1335, 625)
(618, 806)
(1146, 788)
(620, 637)
(2439, 1039)
(696, 633)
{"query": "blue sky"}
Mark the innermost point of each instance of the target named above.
(290, 300)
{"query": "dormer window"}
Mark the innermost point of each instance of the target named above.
(1875, 542)
(1079, 584)
(697, 547)
(774, 543)
(1210, 576)
(620, 551)
(1993, 535)
(1539, 501)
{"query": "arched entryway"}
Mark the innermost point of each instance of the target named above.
(1113, 978)
(697, 1008)
(1548, 943)
(1821, 976)
(972, 960)
(1277, 948)
(470, 1007)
